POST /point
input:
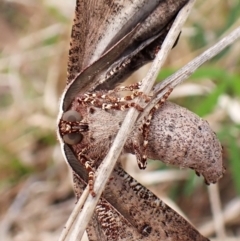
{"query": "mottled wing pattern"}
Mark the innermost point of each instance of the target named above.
(133, 29)
(82, 83)
(146, 212)
(129, 211)
(107, 224)
(97, 24)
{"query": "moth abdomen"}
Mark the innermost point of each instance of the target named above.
(179, 137)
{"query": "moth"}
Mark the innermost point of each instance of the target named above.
(110, 40)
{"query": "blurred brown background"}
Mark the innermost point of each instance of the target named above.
(36, 195)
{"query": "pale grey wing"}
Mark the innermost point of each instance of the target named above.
(91, 77)
(106, 224)
(90, 40)
(123, 67)
(136, 210)
(99, 24)
(83, 81)
(146, 212)
(141, 49)
(113, 225)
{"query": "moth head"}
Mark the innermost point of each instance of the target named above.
(71, 127)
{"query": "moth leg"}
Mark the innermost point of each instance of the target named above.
(122, 106)
(131, 87)
(110, 95)
(113, 98)
(109, 100)
(94, 231)
(87, 164)
(142, 159)
(122, 103)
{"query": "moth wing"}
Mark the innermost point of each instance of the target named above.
(146, 212)
(82, 83)
(138, 213)
(113, 225)
(106, 223)
(99, 25)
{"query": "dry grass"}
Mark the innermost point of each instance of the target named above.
(36, 194)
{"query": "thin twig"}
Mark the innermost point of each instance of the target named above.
(213, 192)
(231, 213)
(108, 164)
(182, 74)
(73, 216)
